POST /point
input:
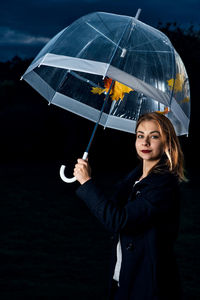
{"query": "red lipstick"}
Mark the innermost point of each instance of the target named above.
(146, 151)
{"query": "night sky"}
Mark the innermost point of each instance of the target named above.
(27, 25)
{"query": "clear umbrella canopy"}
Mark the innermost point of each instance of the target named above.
(74, 69)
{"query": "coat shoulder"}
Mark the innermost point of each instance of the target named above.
(162, 178)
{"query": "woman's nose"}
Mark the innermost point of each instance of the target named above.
(145, 141)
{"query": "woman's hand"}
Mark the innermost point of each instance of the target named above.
(82, 171)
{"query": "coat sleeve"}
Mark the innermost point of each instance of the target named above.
(142, 212)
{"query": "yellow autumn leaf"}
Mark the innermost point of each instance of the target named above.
(185, 100)
(178, 84)
(119, 90)
(97, 90)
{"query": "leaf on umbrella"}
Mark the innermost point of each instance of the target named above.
(107, 83)
(117, 91)
(185, 100)
(97, 90)
(164, 112)
(178, 84)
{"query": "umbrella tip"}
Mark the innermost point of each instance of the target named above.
(138, 13)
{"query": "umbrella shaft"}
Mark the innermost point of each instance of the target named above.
(100, 114)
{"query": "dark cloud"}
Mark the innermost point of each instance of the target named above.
(26, 25)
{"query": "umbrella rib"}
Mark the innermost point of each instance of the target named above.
(84, 79)
(83, 49)
(144, 43)
(117, 45)
(153, 47)
(104, 23)
(140, 106)
(102, 34)
(148, 51)
(174, 74)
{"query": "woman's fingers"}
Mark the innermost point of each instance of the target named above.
(82, 161)
(82, 171)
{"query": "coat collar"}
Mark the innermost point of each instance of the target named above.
(154, 179)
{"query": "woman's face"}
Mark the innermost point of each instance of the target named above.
(149, 143)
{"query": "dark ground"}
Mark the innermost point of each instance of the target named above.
(53, 248)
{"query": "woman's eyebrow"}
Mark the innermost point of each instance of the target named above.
(139, 131)
(155, 131)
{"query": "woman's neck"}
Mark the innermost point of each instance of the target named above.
(147, 165)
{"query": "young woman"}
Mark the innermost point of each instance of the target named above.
(143, 214)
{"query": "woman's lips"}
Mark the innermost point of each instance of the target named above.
(146, 151)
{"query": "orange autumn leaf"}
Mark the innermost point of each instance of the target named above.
(117, 91)
(164, 112)
(107, 83)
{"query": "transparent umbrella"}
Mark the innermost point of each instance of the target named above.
(133, 64)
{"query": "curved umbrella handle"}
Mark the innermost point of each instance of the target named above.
(62, 171)
(64, 178)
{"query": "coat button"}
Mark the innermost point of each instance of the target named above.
(130, 246)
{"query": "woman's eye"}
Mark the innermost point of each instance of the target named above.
(154, 137)
(140, 136)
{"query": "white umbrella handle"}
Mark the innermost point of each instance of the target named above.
(62, 171)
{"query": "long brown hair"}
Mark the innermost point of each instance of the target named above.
(174, 158)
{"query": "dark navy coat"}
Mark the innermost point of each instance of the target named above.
(146, 217)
